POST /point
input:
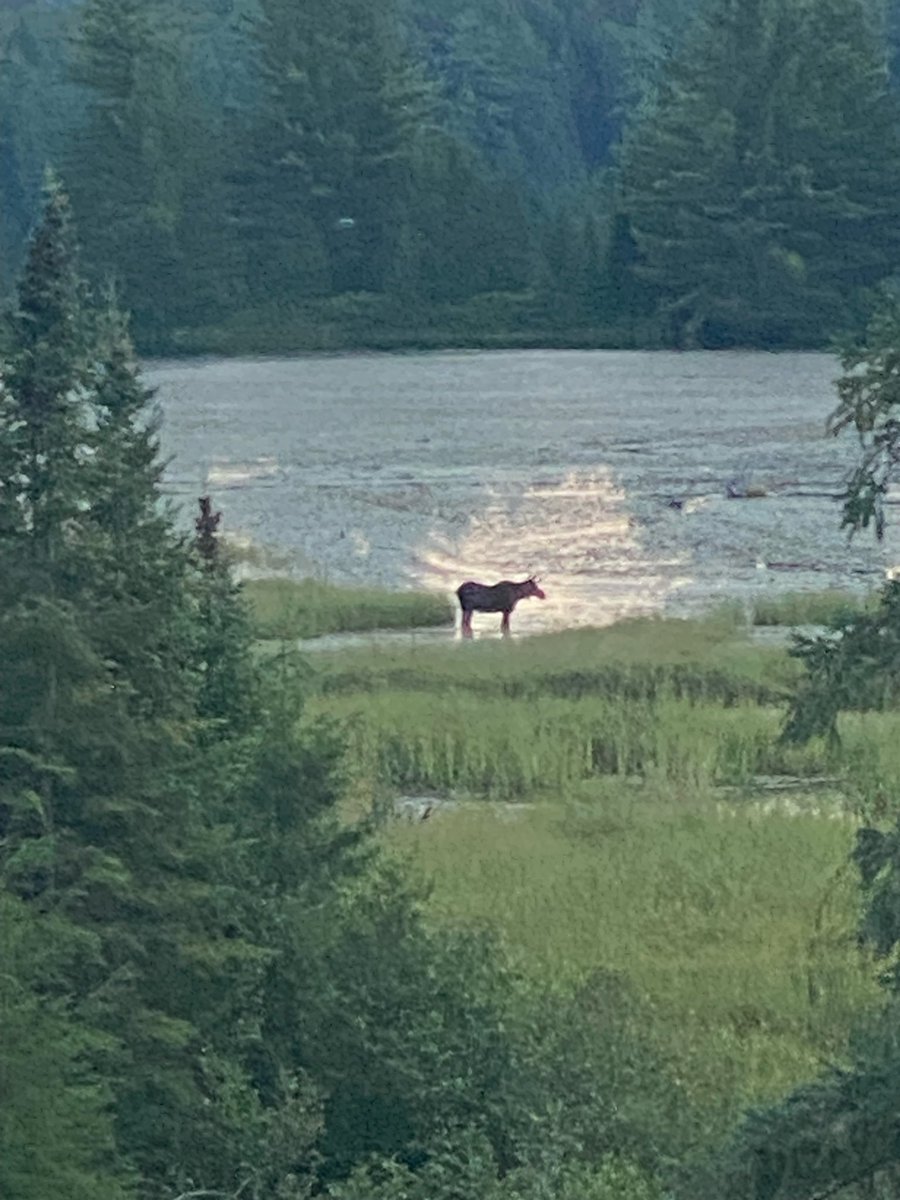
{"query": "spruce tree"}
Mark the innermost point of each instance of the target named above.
(56, 1132)
(43, 435)
(133, 562)
(326, 178)
(129, 166)
(97, 829)
(229, 692)
(762, 188)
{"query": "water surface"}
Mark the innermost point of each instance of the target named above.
(429, 469)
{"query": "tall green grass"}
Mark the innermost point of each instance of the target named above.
(733, 920)
(736, 927)
(457, 742)
(810, 608)
(506, 748)
(678, 704)
(288, 609)
(633, 660)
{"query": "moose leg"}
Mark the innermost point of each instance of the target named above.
(467, 623)
(504, 624)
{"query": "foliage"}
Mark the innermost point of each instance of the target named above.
(732, 923)
(128, 167)
(228, 988)
(465, 1161)
(56, 1135)
(229, 694)
(836, 1136)
(854, 665)
(868, 395)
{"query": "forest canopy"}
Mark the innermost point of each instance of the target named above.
(260, 174)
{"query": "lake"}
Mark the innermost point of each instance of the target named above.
(429, 469)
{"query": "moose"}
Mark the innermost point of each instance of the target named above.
(494, 597)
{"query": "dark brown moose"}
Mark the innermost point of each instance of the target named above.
(494, 597)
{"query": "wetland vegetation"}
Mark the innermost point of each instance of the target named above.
(619, 808)
(283, 608)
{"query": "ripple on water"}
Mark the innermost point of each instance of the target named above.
(428, 469)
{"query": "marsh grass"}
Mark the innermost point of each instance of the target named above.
(683, 702)
(632, 660)
(647, 848)
(452, 742)
(810, 608)
(737, 927)
(289, 609)
(686, 704)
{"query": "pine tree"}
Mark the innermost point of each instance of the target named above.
(325, 181)
(56, 1135)
(228, 696)
(42, 416)
(762, 188)
(129, 166)
(97, 830)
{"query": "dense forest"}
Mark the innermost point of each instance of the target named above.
(261, 174)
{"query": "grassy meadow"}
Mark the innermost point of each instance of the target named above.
(734, 926)
(686, 707)
(618, 801)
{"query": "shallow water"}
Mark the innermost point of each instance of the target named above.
(429, 469)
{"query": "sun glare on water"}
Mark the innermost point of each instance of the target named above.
(577, 535)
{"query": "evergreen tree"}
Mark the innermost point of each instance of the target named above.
(762, 188)
(94, 707)
(129, 167)
(325, 179)
(38, 110)
(42, 416)
(56, 1135)
(228, 693)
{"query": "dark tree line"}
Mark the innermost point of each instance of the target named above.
(263, 174)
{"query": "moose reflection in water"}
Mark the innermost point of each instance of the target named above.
(495, 597)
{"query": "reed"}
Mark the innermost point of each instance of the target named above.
(645, 846)
(633, 660)
(811, 608)
(453, 742)
(287, 609)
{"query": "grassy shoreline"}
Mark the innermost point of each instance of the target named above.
(289, 609)
(680, 704)
(826, 607)
(734, 928)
